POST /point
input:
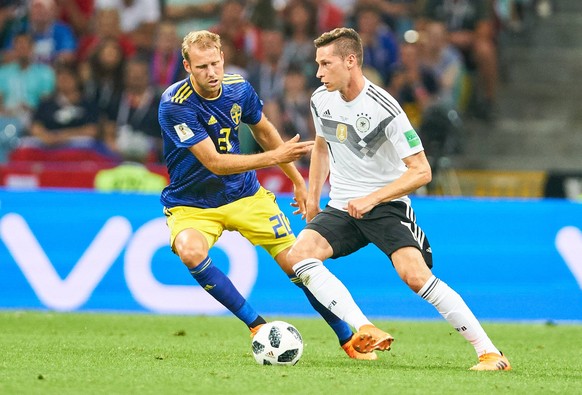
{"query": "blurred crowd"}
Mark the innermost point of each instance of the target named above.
(88, 74)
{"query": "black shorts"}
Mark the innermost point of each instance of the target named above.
(389, 226)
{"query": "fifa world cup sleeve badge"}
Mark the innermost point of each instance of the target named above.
(183, 131)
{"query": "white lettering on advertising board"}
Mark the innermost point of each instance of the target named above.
(76, 288)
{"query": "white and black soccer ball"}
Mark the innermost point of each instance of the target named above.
(277, 343)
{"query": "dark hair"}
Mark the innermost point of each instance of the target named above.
(346, 42)
(70, 68)
(98, 71)
(289, 28)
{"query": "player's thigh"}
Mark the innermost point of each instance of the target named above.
(260, 220)
(339, 230)
(392, 226)
(206, 222)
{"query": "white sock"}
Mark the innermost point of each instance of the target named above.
(330, 291)
(452, 307)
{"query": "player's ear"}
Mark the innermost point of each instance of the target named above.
(351, 61)
(186, 65)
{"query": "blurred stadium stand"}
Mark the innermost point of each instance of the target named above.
(538, 123)
(531, 148)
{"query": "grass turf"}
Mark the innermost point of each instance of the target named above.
(66, 353)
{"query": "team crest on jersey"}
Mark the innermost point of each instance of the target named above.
(363, 123)
(183, 131)
(235, 113)
(341, 132)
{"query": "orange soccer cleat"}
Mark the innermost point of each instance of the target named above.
(492, 361)
(352, 353)
(370, 338)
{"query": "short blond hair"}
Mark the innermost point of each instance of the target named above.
(202, 39)
(347, 41)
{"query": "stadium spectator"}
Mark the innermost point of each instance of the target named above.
(139, 20)
(134, 13)
(235, 26)
(102, 77)
(300, 27)
(412, 84)
(23, 84)
(66, 119)
(416, 87)
(77, 14)
(471, 30)
(396, 14)
(190, 15)
(294, 108)
(261, 13)
(235, 62)
(329, 16)
(446, 63)
(378, 159)
(380, 44)
(105, 25)
(134, 115)
(166, 61)
(9, 11)
(54, 41)
(268, 76)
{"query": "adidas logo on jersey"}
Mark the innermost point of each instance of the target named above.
(326, 114)
(212, 120)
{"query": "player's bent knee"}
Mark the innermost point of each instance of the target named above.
(415, 281)
(191, 257)
(309, 244)
(411, 267)
(299, 252)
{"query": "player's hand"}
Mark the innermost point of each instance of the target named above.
(292, 150)
(300, 199)
(312, 210)
(360, 206)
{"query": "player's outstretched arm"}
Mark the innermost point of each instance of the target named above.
(222, 164)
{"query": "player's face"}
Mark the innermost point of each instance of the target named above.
(332, 70)
(206, 66)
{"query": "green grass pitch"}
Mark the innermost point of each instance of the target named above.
(56, 353)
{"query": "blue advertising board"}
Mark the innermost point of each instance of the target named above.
(89, 251)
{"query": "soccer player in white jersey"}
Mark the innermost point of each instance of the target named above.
(374, 158)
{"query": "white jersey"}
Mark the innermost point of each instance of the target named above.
(367, 139)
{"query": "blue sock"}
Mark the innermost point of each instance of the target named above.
(217, 284)
(341, 328)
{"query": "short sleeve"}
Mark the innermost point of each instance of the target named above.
(253, 109)
(180, 124)
(403, 136)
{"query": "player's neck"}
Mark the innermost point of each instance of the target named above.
(353, 87)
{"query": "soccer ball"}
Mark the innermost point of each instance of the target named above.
(277, 343)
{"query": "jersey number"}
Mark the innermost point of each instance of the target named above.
(224, 140)
(281, 226)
